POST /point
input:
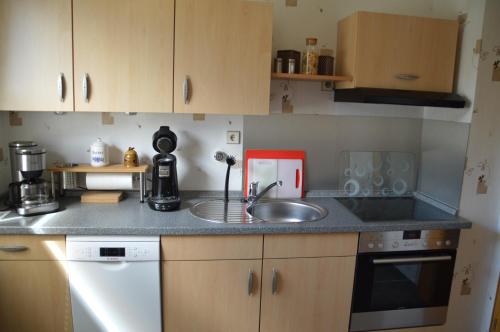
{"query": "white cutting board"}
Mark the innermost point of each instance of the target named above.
(267, 171)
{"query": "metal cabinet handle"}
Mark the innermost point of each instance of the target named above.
(85, 87)
(407, 77)
(250, 282)
(13, 248)
(186, 90)
(274, 285)
(411, 260)
(60, 87)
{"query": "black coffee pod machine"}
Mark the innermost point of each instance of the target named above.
(165, 189)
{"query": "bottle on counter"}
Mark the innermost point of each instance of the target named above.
(310, 58)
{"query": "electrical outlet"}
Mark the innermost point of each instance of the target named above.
(233, 137)
(327, 86)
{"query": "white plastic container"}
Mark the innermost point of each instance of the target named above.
(99, 154)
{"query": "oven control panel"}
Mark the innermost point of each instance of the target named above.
(408, 240)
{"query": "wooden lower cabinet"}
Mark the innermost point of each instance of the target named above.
(211, 296)
(34, 296)
(205, 282)
(311, 294)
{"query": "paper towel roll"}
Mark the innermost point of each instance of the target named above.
(110, 181)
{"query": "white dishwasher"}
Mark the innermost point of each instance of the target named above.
(114, 283)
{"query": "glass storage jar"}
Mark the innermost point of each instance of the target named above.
(310, 58)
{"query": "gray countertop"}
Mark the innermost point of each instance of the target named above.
(129, 217)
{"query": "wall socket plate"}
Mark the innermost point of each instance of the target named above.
(326, 86)
(233, 137)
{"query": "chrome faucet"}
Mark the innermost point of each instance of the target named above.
(253, 197)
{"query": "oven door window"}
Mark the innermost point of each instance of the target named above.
(403, 281)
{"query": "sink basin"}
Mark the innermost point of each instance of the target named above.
(236, 212)
(287, 211)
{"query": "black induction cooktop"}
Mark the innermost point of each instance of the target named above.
(393, 209)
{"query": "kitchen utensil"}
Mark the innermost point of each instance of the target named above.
(33, 194)
(165, 189)
(99, 154)
(101, 197)
(130, 159)
(230, 161)
(268, 166)
(16, 175)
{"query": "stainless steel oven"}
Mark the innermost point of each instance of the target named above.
(403, 279)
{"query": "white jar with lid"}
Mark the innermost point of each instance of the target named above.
(99, 154)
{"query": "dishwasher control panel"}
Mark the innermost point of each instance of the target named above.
(113, 250)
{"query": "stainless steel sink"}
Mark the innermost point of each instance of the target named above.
(279, 211)
(287, 211)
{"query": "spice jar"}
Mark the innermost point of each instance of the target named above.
(278, 65)
(291, 66)
(130, 158)
(310, 58)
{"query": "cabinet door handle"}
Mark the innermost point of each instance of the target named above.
(407, 77)
(186, 90)
(60, 87)
(274, 285)
(250, 282)
(13, 248)
(85, 87)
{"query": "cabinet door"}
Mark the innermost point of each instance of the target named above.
(405, 52)
(124, 53)
(310, 294)
(34, 296)
(222, 56)
(36, 55)
(211, 296)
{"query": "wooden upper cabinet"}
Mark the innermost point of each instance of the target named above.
(35, 51)
(123, 49)
(397, 52)
(222, 56)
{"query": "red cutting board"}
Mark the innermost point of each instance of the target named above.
(284, 165)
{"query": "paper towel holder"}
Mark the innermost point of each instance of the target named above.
(85, 168)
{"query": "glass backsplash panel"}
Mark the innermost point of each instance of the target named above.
(376, 173)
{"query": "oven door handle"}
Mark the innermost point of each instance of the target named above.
(411, 260)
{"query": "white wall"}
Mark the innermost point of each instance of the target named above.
(68, 137)
(480, 247)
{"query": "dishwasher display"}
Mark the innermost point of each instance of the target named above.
(114, 283)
